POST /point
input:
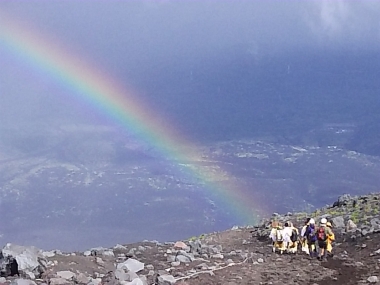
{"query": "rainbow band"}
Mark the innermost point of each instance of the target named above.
(98, 89)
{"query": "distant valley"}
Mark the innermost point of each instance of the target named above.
(82, 185)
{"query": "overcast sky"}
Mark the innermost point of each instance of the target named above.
(159, 47)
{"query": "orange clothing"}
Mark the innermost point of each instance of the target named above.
(330, 239)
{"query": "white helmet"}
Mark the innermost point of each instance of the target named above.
(312, 221)
(323, 221)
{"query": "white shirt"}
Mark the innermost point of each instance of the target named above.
(287, 233)
(303, 230)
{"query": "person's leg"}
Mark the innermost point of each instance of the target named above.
(319, 250)
(305, 246)
(313, 249)
(324, 251)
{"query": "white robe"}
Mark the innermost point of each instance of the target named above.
(286, 234)
(273, 234)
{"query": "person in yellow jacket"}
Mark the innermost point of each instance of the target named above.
(330, 239)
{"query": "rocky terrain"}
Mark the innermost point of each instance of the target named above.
(241, 255)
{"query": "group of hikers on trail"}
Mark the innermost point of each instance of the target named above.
(315, 241)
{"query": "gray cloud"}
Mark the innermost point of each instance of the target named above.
(140, 41)
(345, 23)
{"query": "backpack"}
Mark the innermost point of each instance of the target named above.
(279, 235)
(311, 234)
(294, 236)
(321, 235)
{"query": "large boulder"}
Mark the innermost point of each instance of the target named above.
(30, 259)
(338, 222)
(343, 200)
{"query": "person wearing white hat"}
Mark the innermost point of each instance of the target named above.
(311, 237)
(323, 233)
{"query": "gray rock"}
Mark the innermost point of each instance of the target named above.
(141, 248)
(166, 280)
(48, 253)
(121, 275)
(202, 266)
(109, 253)
(30, 275)
(29, 258)
(119, 247)
(351, 226)
(344, 198)
(218, 248)
(195, 246)
(366, 232)
(149, 267)
(132, 265)
(218, 256)
(136, 281)
(94, 281)
(326, 216)
(182, 258)
(131, 275)
(151, 273)
(375, 222)
(373, 279)
(338, 222)
(57, 281)
(68, 275)
(81, 278)
(170, 258)
(21, 281)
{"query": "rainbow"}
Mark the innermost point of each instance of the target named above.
(98, 89)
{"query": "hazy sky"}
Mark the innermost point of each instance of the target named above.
(187, 56)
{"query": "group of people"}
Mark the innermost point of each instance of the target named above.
(316, 241)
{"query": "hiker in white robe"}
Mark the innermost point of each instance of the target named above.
(286, 234)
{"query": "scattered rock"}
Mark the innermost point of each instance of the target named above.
(241, 255)
(131, 265)
(373, 279)
(68, 275)
(166, 280)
